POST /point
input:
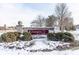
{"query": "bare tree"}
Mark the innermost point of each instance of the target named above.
(39, 22)
(62, 12)
(68, 23)
(50, 21)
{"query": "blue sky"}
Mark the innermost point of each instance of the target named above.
(37, 6)
(45, 7)
(10, 14)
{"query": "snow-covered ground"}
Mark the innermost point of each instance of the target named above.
(38, 46)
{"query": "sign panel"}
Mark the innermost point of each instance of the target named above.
(38, 32)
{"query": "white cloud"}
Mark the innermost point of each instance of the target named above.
(10, 14)
(74, 8)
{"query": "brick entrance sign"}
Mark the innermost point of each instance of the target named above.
(38, 32)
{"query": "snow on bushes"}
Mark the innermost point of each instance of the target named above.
(60, 36)
(26, 36)
(15, 36)
(8, 37)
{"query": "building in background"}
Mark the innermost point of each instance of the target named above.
(34, 23)
(77, 27)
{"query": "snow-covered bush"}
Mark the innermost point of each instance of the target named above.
(26, 36)
(60, 36)
(8, 37)
(51, 36)
(68, 34)
(17, 34)
(65, 36)
(68, 38)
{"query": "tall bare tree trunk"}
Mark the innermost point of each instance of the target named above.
(62, 12)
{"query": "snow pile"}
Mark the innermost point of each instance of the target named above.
(35, 47)
(39, 44)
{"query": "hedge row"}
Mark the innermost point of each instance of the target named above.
(15, 36)
(60, 36)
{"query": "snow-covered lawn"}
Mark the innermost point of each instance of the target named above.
(6, 49)
(39, 46)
